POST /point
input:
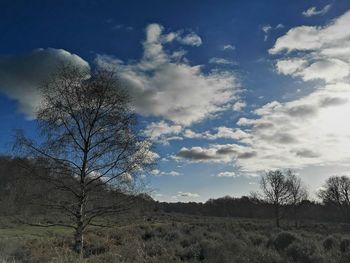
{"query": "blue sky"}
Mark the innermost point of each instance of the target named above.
(225, 89)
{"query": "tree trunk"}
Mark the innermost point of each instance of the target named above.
(79, 238)
(79, 232)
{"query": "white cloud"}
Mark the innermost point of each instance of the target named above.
(191, 39)
(156, 172)
(228, 47)
(334, 36)
(221, 61)
(239, 105)
(222, 132)
(325, 51)
(160, 131)
(20, 76)
(290, 66)
(312, 11)
(327, 69)
(226, 174)
(171, 88)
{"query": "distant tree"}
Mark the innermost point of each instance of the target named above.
(298, 193)
(275, 189)
(336, 191)
(89, 145)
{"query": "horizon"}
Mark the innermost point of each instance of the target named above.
(258, 86)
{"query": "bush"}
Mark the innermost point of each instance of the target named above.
(345, 245)
(303, 252)
(330, 243)
(283, 240)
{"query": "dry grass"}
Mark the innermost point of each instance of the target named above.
(178, 238)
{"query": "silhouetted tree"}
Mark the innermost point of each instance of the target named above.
(298, 193)
(276, 191)
(336, 191)
(89, 144)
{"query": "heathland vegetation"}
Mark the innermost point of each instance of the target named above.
(220, 230)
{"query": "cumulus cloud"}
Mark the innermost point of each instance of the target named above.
(217, 153)
(191, 39)
(221, 132)
(156, 172)
(170, 87)
(330, 39)
(162, 131)
(239, 105)
(198, 154)
(312, 11)
(20, 76)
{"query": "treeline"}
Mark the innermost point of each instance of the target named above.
(25, 195)
(282, 196)
(248, 207)
(29, 192)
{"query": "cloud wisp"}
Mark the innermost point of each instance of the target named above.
(312, 11)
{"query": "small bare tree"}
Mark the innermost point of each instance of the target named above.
(276, 191)
(336, 191)
(89, 145)
(298, 193)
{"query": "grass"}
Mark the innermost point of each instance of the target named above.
(181, 238)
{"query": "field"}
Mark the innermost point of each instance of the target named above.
(181, 238)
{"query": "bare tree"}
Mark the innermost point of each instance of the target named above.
(275, 189)
(89, 145)
(336, 191)
(298, 193)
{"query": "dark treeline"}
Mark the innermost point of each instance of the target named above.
(23, 196)
(248, 207)
(28, 192)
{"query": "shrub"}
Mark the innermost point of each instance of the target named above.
(283, 240)
(330, 243)
(304, 252)
(345, 245)
(216, 251)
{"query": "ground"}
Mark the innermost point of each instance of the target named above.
(181, 238)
